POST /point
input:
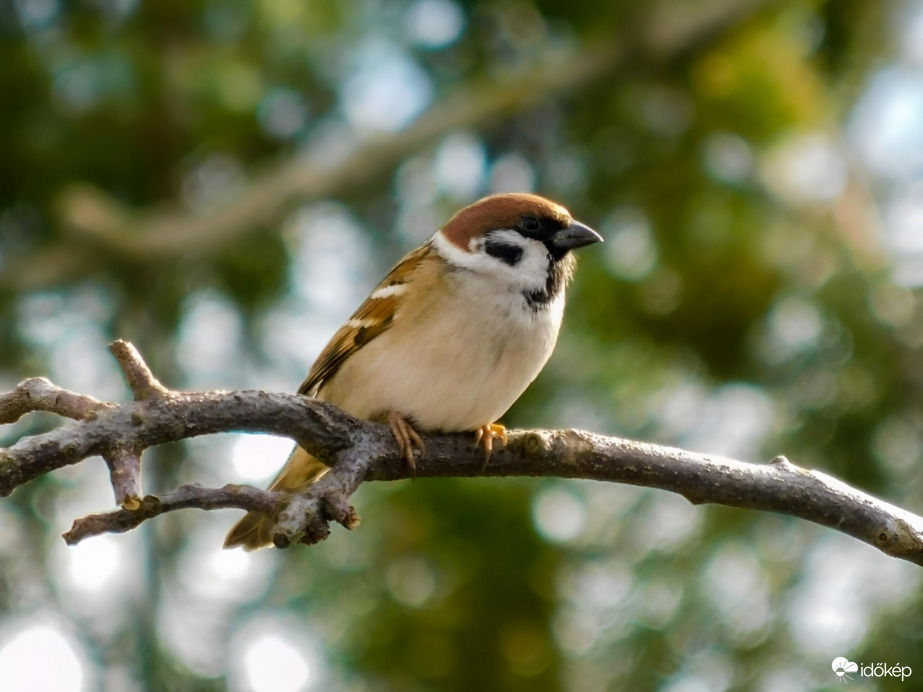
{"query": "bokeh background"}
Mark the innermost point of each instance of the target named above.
(223, 181)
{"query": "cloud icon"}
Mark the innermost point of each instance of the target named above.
(841, 666)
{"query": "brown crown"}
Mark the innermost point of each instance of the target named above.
(500, 211)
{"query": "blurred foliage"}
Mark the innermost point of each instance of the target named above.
(746, 302)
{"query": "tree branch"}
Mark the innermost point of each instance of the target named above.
(184, 497)
(362, 451)
(38, 394)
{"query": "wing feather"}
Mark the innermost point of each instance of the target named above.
(370, 320)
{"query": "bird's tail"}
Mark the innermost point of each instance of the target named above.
(252, 531)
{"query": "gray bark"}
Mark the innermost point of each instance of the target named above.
(362, 451)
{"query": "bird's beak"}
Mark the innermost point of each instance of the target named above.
(574, 236)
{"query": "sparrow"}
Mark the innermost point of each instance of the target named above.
(450, 338)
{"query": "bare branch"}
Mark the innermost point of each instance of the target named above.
(362, 451)
(38, 394)
(184, 497)
(140, 379)
(125, 475)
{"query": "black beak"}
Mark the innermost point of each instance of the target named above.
(574, 236)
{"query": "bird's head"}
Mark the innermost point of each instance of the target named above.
(520, 239)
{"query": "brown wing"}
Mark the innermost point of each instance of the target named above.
(372, 318)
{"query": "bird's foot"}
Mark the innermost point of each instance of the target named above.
(486, 435)
(406, 438)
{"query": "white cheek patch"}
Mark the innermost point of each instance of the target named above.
(529, 274)
(531, 271)
(455, 255)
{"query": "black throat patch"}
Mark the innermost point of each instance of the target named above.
(555, 281)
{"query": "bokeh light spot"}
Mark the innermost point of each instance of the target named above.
(272, 664)
(435, 23)
(255, 457)
(631, 252)
(411, 581)
(559, 514)
(387, 89)
(24, 662)
(460, 165)
(93, 563)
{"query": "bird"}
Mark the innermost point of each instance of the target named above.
(450, 338)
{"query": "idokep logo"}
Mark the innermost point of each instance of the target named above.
(841, 666)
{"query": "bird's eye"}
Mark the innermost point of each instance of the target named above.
(529, 223)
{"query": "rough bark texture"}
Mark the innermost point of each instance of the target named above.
(362, 451)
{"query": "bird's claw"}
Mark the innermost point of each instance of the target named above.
(406, 438)
(486, 435)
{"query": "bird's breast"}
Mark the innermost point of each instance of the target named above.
(454, 362)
